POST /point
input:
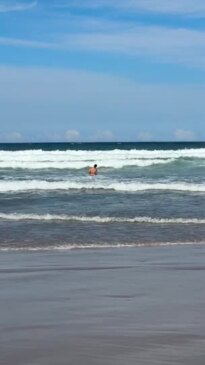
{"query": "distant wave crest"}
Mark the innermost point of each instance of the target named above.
(79, 159)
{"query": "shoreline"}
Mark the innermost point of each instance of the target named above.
(98, 247)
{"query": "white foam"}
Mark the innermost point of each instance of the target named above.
(73, 159)
(78, 155)
(95, 184)
(98, 219)
(111, 163)
(87, 246)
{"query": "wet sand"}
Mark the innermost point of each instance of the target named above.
(106, 306)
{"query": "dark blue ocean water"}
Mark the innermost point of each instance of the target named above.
(144, 194)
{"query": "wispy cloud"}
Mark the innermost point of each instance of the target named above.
(181, 7)
(41, 100)
(145, 136)
(15, 42)
(72, 135)
(185, 135)
(103, 135)
(11, 137)
(6, 7)
(169, 45)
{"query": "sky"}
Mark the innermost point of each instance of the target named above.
(102, 70)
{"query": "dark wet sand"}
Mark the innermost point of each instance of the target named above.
(109, 306)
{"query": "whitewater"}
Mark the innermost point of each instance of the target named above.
(116, 159)
(118, 186)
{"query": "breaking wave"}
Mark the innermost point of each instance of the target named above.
(94, 184)
(112, 163)
(78, 159)
(98, 219)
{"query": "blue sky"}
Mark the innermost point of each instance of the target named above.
(102, 70)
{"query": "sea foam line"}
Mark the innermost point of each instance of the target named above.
(87, 246)
(98, 219)
(95, 184)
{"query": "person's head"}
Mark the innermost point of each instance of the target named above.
(95, 166)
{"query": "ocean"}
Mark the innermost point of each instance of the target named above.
(104, 270)
(145, 194)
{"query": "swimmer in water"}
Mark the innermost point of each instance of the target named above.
(93, 170)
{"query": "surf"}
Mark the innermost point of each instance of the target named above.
(94, 185)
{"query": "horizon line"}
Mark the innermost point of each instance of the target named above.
(92, 142)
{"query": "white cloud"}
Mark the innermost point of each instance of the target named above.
(178, 46)
(184, 135)
(6, 7)
(184, 7)
(52, 137)
(11, 137)
(71, 135)
(105, 135)
(145, 136)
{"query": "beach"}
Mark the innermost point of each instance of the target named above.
(141, 305)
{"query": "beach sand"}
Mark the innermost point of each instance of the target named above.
(104, 306)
